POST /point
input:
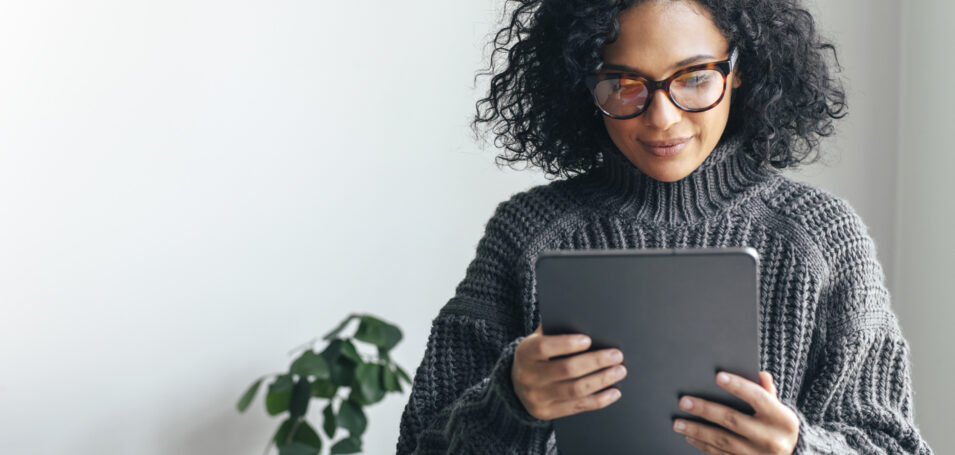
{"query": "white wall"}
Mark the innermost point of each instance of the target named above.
(926, 212)
(190, 189)
(859, 161)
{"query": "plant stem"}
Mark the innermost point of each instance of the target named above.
(291, 433)
(302, 346)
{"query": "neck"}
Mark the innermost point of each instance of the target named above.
(724, 178)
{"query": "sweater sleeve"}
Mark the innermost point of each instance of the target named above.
(462, 399)
(857, 394)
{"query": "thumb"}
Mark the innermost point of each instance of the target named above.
(766, 380)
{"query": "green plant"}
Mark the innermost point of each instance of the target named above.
(339, 375)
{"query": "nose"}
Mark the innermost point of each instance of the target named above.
(662, 113)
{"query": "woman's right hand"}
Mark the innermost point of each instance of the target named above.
(557, 388)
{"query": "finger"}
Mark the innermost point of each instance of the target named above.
(746, 426)
(716, 437)
(754, 394)
(543, 347)
(589, 403)
(705, 448)
(582, 387)
(581, 365)
(766, 378)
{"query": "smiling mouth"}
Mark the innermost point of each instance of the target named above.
(665, 143)
(665, 148)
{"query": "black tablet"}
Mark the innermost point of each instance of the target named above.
(678, 315)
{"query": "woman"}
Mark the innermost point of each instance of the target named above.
(670, 120)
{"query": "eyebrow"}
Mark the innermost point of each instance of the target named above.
(679, 64)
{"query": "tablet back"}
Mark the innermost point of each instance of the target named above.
(678, 315)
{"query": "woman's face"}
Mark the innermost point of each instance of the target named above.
(657, 39)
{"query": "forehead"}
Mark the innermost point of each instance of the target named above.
(656, 35)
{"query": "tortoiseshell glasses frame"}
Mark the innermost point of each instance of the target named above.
(724, 67)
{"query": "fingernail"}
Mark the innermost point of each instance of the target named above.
(616, 356)
(583, 341)
(619, 371)
(679, 425)
(614, 394)
(723, 378)
(686, 403)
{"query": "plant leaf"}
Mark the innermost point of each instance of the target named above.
(301, 394)
(389, 380)
(402, 374)
(281, 435)
(392, 336)
(377, 332)
(371, 330)
(310, 364)
(249, 394)
(357, 397)
(298, 448)
(351, 444)
(343, 372)
(352, 418)
(332, 352)
(341, 368)
(368, 376)
(279, 396)
(349, 351)
(341, 326)
(329, 425)
(306, 434)
(324, 388)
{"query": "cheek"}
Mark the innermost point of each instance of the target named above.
(622, 129)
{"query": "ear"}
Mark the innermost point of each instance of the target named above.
(736, 80)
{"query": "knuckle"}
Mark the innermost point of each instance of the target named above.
(730, 420)
(566, 368)
(793, 422)
(581, 406)
(523, 377)
(539, 350)
(777, 445)
(722, 441)
(581, 388)
(695, 431)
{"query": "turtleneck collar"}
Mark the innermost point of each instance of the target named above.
(725, 177)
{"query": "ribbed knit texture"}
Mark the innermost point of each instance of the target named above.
(829, 336)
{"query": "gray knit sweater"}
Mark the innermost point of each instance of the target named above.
(829, 335)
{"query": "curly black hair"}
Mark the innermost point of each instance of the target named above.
(541, 112)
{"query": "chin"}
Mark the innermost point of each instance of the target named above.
(669, 176)
(668, 172)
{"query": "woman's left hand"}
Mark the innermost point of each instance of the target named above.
(774, 429)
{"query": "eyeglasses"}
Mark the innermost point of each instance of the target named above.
(694, 89)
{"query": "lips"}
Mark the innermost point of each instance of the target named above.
(665, 148)
(665, 143)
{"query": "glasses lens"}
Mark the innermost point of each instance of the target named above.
(697, 89)
(620, 95)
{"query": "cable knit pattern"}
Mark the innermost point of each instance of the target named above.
(829, 335)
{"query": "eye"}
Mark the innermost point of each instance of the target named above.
(695, 79)
(627, 85)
